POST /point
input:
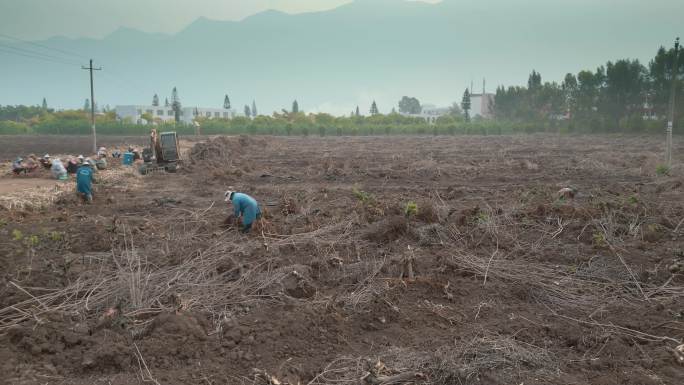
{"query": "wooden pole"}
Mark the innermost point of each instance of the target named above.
(670, 120)
(92, 103)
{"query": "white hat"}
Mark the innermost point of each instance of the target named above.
(80, 157)
(228, 194)
(46, 156)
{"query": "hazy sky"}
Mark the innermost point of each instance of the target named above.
(39, 19)
(550, 36)
(36, 19)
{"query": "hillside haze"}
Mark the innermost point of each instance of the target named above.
(331, 61)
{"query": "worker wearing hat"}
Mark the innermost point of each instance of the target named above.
(84, 181)
(90, 162)
(245, 207)
(46, 161)
(18, 166)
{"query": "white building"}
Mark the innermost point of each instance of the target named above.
(482, 105)
(430, 113)
(134, 113)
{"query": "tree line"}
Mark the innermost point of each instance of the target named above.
(76, 122)
(624, 96)
(620, 96)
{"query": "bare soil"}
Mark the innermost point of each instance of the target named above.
(491, 279)
(16, 184)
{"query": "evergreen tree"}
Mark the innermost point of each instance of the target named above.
(295, 107)
(45, 106)
(358, 112)
(254, 109)
(86, 105)
(155, 100)
(465, 105)
(166, 102)
(660, 71)
(176, 104)
(569, 87)
(374, 109)
(534, 81)
(624, 92)
(536, 102)
(226, 102)
(589, 86)
(248, 112)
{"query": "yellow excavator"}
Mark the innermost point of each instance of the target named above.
(163, 153)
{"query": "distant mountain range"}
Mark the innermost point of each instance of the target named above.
(333, 60)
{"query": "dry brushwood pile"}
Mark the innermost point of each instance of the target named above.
(379, 260)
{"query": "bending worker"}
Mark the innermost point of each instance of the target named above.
(18, 166)
(246, 207)
(84, 181)
(58, 170)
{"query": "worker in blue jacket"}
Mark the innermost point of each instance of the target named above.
(246, 207)
(84, 181)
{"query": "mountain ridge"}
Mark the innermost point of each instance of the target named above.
(334, 60)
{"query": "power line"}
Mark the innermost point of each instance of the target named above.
(43, 46)
(35, 53)
(35, 57)
(117, 79)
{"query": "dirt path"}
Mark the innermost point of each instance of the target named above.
(16, 184)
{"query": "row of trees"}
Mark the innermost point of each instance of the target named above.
(287, 123)
(621, 95)
(248, 111)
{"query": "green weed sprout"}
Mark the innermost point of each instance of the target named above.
(662, 170)
(362, 196)
(32, 241)
(55, 236)
(17, 235)
(599, 239)
(633, 199)
(411, 209)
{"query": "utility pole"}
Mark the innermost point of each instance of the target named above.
(92, 102)
(670, 120)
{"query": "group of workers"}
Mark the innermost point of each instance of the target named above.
(82, 167)
(245, 208)
(58, 167)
